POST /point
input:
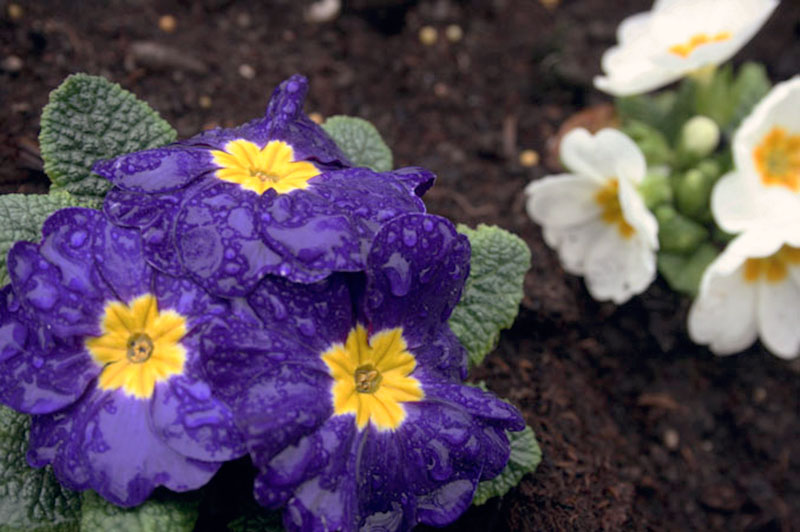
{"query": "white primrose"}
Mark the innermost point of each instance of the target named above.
(752, 290)
(764, 187)
(678, 37)
(595, 217)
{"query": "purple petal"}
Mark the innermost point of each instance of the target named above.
(154, 216)
(105, 442)
(37, 375)
(472, 400)
(415, 178)
(314, 315)
(218, 239)
(315, 479)
(39, 287)
(119, 256)
(156, 170)
(416, 270)
(188, 418)
(288, 123)
(187, 299)
(443, 354)
(329, 226)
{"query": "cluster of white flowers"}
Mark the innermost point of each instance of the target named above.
(596, 220)
(753, 288)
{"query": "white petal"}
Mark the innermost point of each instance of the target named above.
(603, 156)
(733, 203)
(574, 243)
(618, 268)
(779, 317)
(633, 27)
(562, 200)
(724, 314)
(637, 214)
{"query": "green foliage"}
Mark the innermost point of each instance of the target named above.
(22, 217)
(257, 519)
(176, 515)
(684, 272)
(360, 142)
(650, 140)
(728, 99)
(30, 499)
(493, 291)
(525, 457)
(656, 189)
(676, 232)
(90, 118)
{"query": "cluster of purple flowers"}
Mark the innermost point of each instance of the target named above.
(249, 290)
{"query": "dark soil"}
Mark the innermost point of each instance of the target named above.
(640, 428)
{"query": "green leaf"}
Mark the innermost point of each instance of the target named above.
(678, 233)
(30, 499)
(174, 515)
(683, 273)
(493, 292)
(360, 142)
(22, 216)
(651, 141)
(257, 520)
(90, 118)
(751, 85)
(525, 457)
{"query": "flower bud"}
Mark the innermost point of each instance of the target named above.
(692, 193)
(699, 136)
(677, 233)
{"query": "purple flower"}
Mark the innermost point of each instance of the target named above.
(103, 351)
(274, 196)
(350, 393)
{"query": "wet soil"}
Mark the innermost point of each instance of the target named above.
(640, 428)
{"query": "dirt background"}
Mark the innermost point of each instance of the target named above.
(640, 429)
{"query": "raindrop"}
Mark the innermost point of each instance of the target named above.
(409, 237)
(78, 238)
(37, 362)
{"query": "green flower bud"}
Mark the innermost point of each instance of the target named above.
(677, 233)
(655, 189)
(699, 136)
(651, 141)
(692, 192)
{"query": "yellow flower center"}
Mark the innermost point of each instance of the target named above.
(139, 347)
(608, 199)
(261, 169)
(774, 268)
(777, 159)
(372, 377)
(685, 49)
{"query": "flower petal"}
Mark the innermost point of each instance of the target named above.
(105, 442)
(573, 243)
(618, 268)
(157, 170)
(37, 375)
(778, 317)
(608, 154)
(723, 316)
(562, 201)
(410, 256)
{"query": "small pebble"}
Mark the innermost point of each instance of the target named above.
(707, 446)
(167, 23)
(323, 11)
(243, 20)
(550, 4)
(440, 89)
(204, 101)
(14, 11)
(671, 439)
(12, 63)
(454, 33)
(759, 395)
(316, 118)
(246, 71)
(529, 158)
(428, 35)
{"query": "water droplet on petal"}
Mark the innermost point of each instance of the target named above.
(409, 237)
(78, 238)
(398, 274)
(37, 362)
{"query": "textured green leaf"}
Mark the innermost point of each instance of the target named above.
(360, 141)
(175, 515)
(30, 499)
(257, 520)
(90, 118)
(22, 216)
(493, 292)
(750, 86)
(525, 457)
(684, 272)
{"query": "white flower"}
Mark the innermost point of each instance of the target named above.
(677, 37)
(595, 217)
(752, 290)
(764, 188)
